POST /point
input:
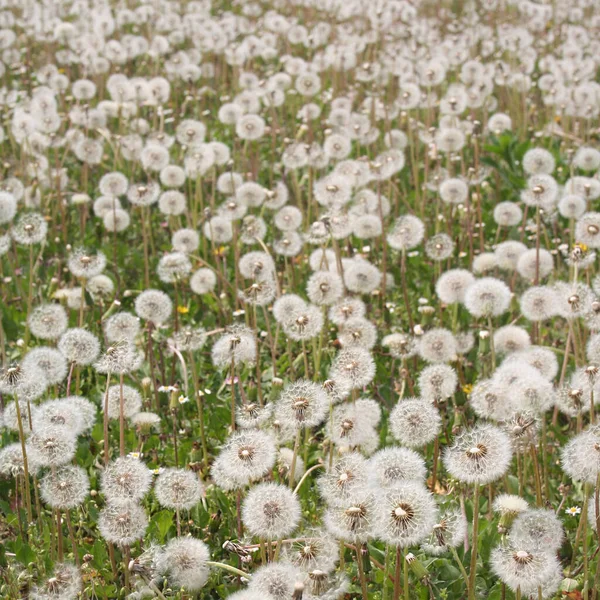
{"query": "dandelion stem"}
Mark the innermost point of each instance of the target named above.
(25, 461)
(460, 566)
(294, 458)
(121, 417)
(306, 474)
(361, 573)
(218, 565)
(105, 419)
(473, 565)
(406, 588)
(200, 407)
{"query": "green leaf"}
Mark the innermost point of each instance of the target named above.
(163, 521)
(24, 553)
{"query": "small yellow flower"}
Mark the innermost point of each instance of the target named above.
(183, 310)
(220, 251)
(581, 246)
(467, 388)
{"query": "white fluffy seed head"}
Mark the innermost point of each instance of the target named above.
(270, 511)
(479, 455)
(178, 489)
(125, 478)
(183, 561)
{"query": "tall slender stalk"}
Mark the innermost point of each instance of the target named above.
(473, 565)
(26, 483)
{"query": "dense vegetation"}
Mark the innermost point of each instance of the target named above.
(299, 299)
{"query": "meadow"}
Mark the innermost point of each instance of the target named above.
(299, 300)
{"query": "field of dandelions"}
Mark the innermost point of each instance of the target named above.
(299, 299)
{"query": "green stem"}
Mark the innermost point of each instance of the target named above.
(294, 457)
(460, 566)
(218, 565)
(308, 472)
(473, 566)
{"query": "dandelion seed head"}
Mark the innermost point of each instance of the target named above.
(48, 321)
(178, 489)
(65, 488)
(270, 511)
(479, 455)
(122, 522)
(183, 560)
(153, 306)
(51, 446)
